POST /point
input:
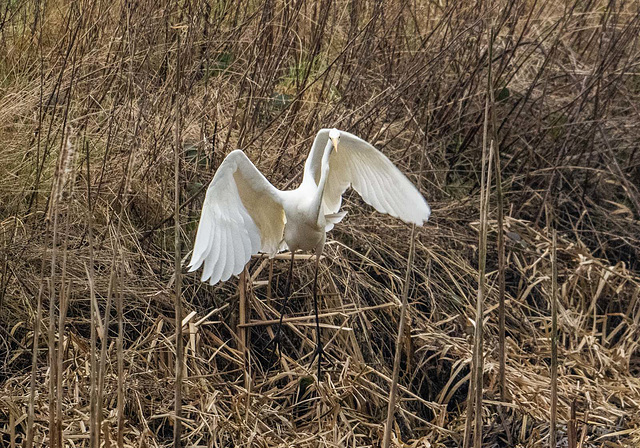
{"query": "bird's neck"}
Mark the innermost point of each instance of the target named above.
(316, 205)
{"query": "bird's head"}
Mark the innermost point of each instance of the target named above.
(334, 135)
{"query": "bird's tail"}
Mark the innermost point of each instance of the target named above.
(333, 219)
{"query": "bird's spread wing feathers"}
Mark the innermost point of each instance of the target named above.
(241, 216)
(358, 164)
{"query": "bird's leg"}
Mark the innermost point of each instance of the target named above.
(319, 348)
(283, 307)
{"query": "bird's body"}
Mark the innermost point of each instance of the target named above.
(244, 214)
(302, 230)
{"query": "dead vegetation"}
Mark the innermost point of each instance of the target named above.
(88, 105)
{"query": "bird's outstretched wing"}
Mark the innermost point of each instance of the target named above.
(242, 215)
(358, 164)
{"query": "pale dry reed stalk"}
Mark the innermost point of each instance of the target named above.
(554, 337)
(177, 430)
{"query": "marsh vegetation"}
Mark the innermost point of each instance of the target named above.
(535, 103)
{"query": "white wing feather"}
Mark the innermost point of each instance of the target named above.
(358, 164)
(242, 215)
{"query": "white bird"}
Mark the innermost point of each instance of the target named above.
(244, 214)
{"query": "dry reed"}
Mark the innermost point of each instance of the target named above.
(264, 77)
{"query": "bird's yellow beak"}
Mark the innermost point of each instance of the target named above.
(335, 143)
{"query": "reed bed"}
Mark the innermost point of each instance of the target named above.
(114, 116)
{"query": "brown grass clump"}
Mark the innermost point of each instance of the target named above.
(91, 113)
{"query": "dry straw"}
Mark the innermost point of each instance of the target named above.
(89, 327)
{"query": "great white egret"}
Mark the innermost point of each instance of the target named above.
(244, 214)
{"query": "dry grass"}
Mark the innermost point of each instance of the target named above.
(87, 125)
